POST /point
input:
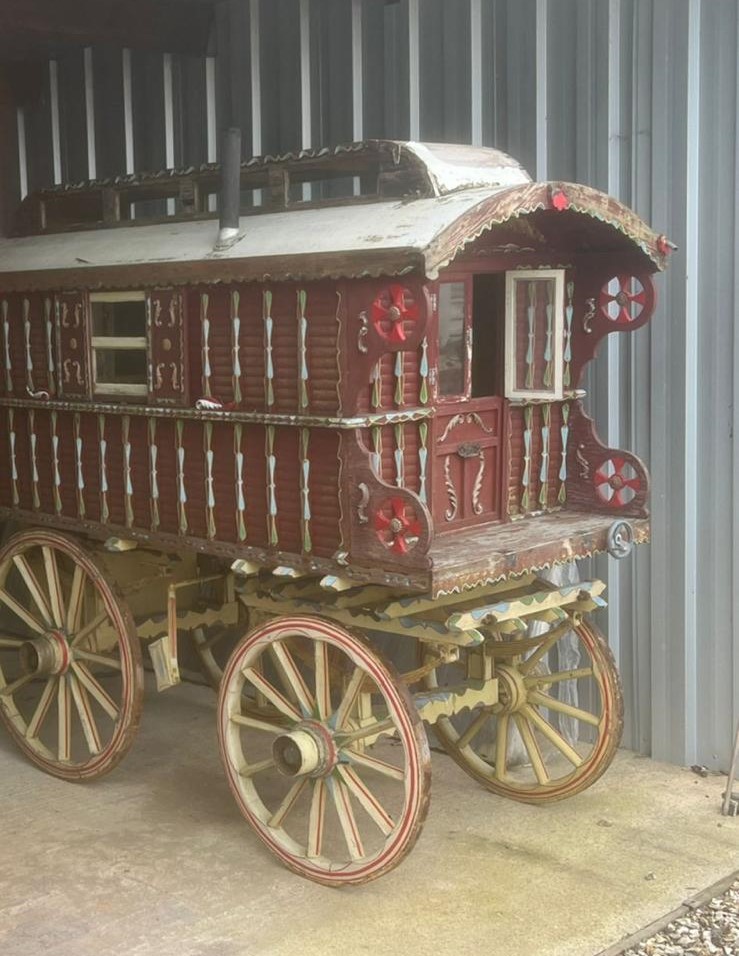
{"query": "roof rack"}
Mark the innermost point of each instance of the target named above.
(267, 183)
(357, 172)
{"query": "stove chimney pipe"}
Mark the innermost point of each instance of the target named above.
(230, 197)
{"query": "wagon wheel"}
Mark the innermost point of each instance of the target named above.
(335, 778)
(71, 680)
(561, 707)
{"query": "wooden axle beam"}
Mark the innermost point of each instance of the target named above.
(447, 702)
(584, 596)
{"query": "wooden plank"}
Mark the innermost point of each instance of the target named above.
(430, 632)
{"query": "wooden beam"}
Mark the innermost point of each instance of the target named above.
(34, 29)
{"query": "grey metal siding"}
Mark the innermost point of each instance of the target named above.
(638, 97)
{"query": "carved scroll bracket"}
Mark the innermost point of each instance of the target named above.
(384, 525)
(604, 479)
(605, 302)
(379, 318)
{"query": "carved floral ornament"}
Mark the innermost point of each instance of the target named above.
(624, 298)
(617, 481)
(390, 311)
(396, 525)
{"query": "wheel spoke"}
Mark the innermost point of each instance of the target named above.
(255, 724)
(101, 659)
(549, 641)
(64, 720)
(538, 679)
(291, 677)
(55, 587)
(291, 798)
(82, 704)
(349, 699)
(10, 689)
(76, 595)
(323, 680)
(42, 709)
(366, 799)
(370, 730)
(544, 700)
(19, 611)
(345, 813)
(532, 747)
(473, 729)
(263, 686)
(89, 628)
(553, 737)
(315, 822)
(501, 746)
(373, 763)
(91, 685)
(11, 641)
(250, 769)
(34, 588)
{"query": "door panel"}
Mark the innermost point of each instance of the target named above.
(468, 463)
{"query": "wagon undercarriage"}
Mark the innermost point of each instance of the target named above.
(322, 740)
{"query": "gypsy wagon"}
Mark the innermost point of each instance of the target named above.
(359, 412)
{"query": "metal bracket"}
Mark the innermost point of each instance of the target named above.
(163, 652)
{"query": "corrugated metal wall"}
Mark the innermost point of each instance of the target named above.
(637, 97)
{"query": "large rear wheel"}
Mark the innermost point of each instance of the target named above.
(323, 749)
(71, 679)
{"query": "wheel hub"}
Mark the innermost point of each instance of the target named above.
(307, 751)
(46, 656)
(512, 694)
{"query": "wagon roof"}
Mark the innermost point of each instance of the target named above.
(461, 193)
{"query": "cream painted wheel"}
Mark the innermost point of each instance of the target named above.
(71, 680)
(323, 749)
(560, 707)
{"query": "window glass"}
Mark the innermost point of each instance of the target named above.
(119, 318)
(451, 338)
(122, 366)
(119, 343)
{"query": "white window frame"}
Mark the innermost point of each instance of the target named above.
(556, 392)
(107, 342)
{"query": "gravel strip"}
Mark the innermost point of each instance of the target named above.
(711, 929)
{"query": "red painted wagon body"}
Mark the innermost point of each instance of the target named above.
(362, 398)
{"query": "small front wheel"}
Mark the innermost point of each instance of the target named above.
(558, 720)
(323, 749)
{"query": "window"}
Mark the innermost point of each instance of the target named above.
(452, 338)
(119, 343)
(534, 334)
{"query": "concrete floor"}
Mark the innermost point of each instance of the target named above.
(155, 860)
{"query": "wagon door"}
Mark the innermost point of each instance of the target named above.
(468, 427)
